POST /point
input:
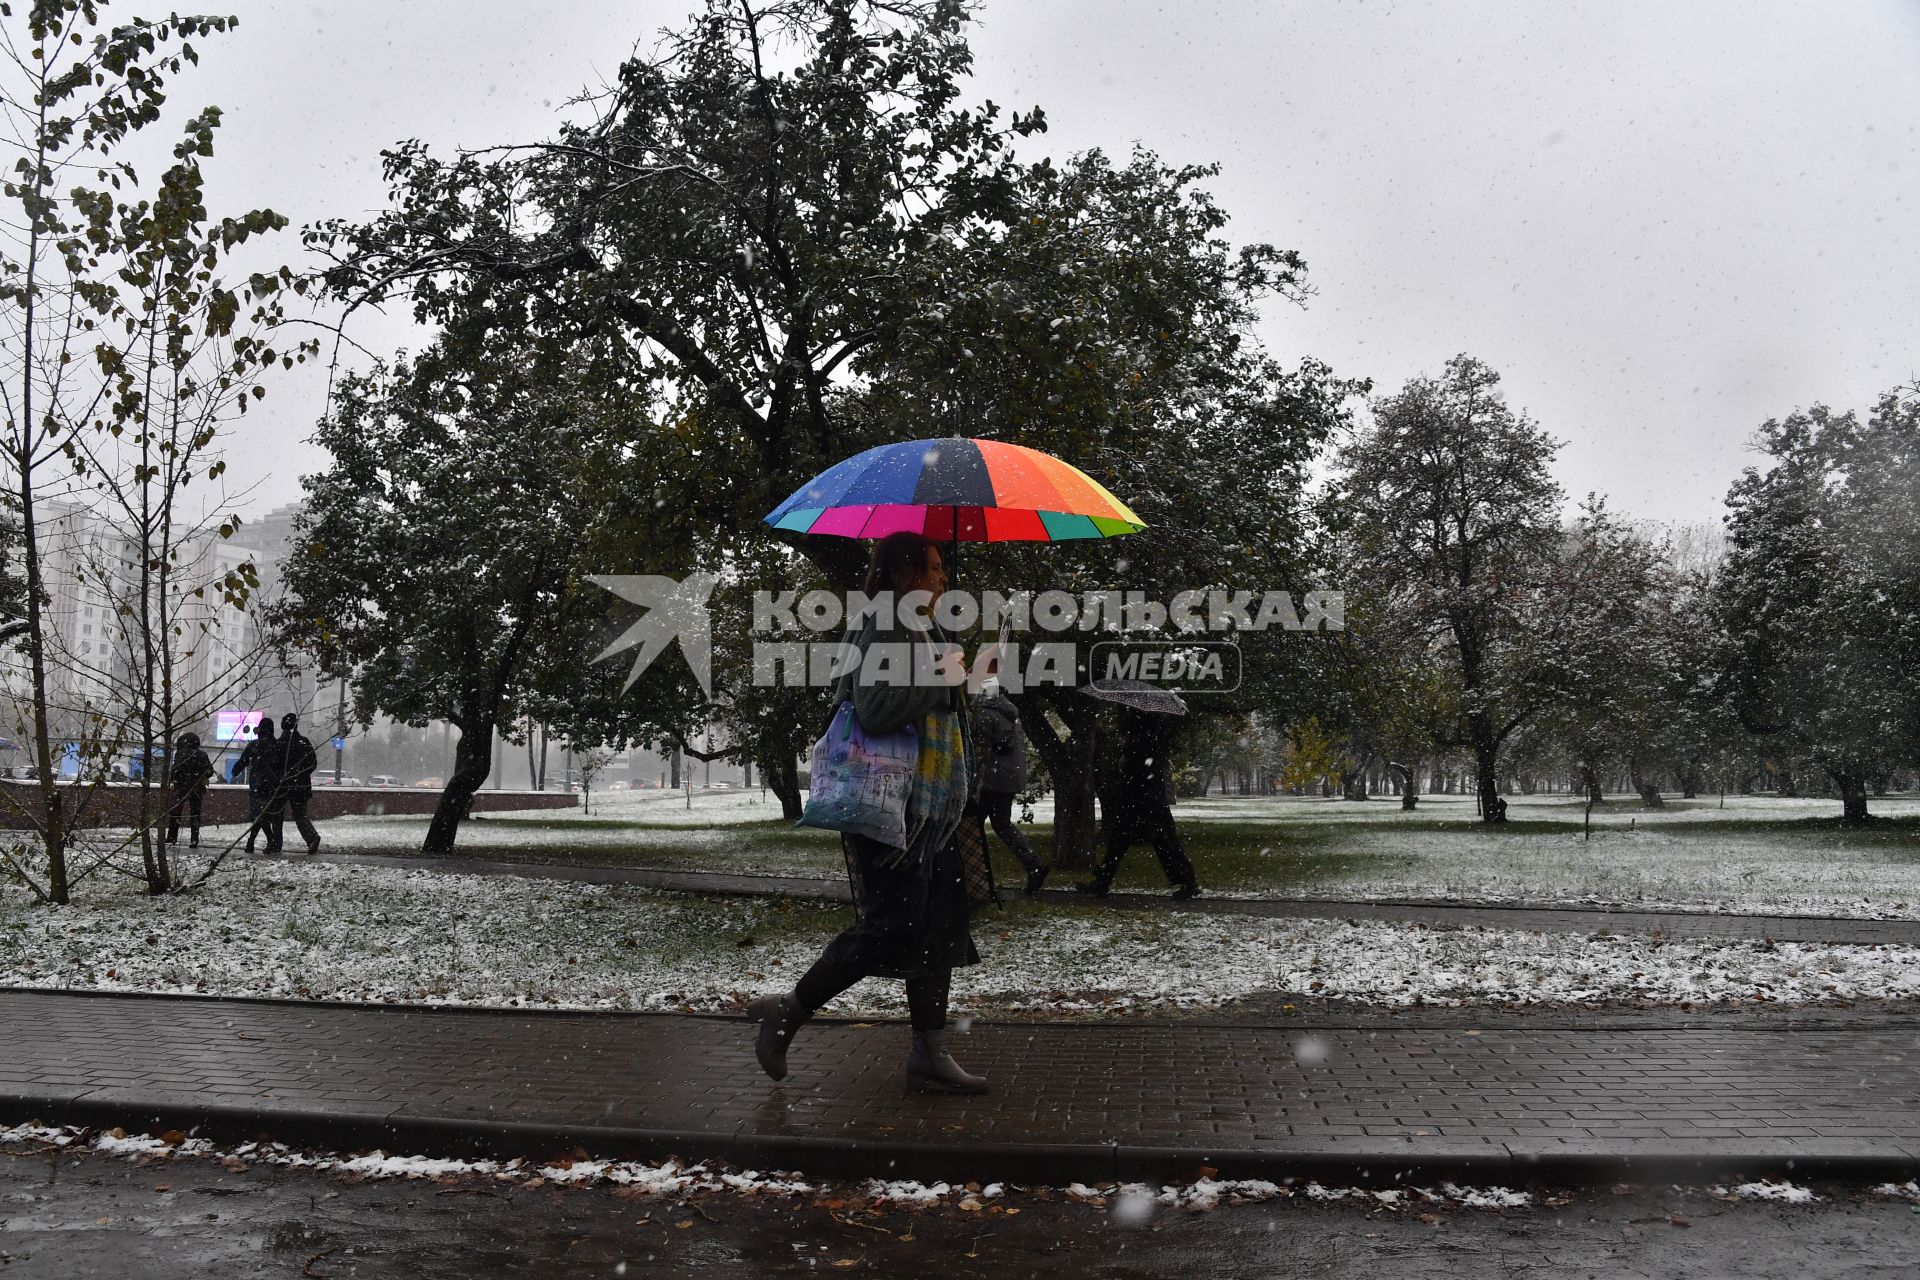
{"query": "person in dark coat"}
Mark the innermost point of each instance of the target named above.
(912, 913)
(1001, 745)
(261, 762)
(1141, 811)
(299, 760)
(190, 773)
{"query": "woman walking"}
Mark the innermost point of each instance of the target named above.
(911, 903)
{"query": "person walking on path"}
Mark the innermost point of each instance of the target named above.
(261, 762)
(189, 775)
(299, 760)
(1141, 811)
(1002, 751)
(911, 907)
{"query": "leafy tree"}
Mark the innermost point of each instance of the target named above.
(1456, 516)
(131, 352)
(439, 557)
(1109, 325)
(782, 265)
(1819, 597)
(1607, 653)
(727, 236)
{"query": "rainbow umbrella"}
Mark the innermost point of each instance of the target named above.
(956, 490)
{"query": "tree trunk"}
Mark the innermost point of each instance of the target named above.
(1071, 763)
(1648, 787)
(783, 779)
(1590, 780)
(473, 760)
(1353, 782)
(1409, 797)
(1853, 796)
(1486, 764)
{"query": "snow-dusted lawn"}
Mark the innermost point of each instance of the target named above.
(344, 932)
(1757, 855)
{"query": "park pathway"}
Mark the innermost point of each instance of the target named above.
(1504, 1103)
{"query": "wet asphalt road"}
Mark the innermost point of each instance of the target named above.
(70, 1217)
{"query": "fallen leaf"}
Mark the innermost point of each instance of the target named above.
(173, 1137)
(1679, 1221)
(163, 1186)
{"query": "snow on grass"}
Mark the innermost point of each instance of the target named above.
(366, 933)
(1756, 855)
(1779, 1192)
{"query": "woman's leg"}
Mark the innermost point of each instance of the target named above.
(891, 903)
(931, 1064)
(999, 807)
(927, 1001)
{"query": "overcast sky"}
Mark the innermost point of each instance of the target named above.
(1663, 223)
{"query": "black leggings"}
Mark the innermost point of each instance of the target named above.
(999, 807)
(830, 975)
(189, 804)
(1152, 826)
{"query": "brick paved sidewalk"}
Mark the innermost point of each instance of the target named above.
(1087, 1102)
(1671, 924)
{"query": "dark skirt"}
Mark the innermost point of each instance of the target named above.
(911, 922)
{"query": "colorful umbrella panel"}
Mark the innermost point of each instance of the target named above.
(956, 489)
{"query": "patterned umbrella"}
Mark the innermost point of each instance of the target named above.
(956, 490)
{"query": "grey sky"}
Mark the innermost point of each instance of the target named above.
(1663, 223)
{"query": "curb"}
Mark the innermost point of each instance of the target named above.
(1378, 1165)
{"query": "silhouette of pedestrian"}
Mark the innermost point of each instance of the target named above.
(1141, 808)
(190, 773)
(1001, 745)
(261, 762)
(298, 761)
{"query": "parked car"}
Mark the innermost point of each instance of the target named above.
(435, 783)
(346, 780)
(383, 780)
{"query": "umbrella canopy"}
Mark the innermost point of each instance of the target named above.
(1139, 695)
(956, 490)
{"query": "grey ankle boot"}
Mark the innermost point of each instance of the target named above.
(930, 1066)
(779, 1017)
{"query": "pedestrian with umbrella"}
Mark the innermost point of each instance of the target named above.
(911, 903)
(1138, 807)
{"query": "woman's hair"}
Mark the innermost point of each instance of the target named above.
(898, 558)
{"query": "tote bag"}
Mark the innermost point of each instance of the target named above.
(859, 780)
